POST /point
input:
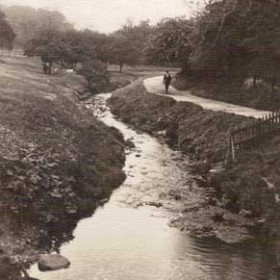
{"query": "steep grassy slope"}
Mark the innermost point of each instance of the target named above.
(56, 161)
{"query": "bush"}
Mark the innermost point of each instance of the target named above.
(96, 75)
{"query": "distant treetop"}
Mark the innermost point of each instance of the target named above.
(27, 21)
(7, 34)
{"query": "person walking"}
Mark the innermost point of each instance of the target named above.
(167, 80)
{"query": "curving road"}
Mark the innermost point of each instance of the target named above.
(155, 85)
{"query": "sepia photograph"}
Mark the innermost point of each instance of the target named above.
(139, 140)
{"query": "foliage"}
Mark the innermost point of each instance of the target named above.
(232, 41)
(171, 42)
(27, 22)
(96, 75)
(137, 36)
(65, 48)
(126, 45)
(69, 48)
(229, 40)
(101, 43)
(76, 48)
(121, 51)
(7, 34)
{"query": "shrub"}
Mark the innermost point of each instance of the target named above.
(96, 75)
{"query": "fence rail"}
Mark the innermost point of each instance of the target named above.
(255, 132)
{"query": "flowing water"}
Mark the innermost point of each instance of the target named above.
(129, 238)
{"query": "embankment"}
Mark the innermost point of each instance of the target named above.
(56, 162)
(249, 187)
(185, 126)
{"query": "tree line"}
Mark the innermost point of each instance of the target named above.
(7, 34)
(229, 40)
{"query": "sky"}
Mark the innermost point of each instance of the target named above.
(109, 15)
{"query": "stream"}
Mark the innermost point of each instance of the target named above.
(128, 238)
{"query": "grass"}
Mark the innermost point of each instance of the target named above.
(54, 158)
(203, 135)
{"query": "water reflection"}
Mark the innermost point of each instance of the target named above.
(124, 243)
(128, 239)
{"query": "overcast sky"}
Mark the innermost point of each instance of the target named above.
(109, 15)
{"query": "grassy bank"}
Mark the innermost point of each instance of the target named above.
(184, 126)
(249, 187)
(56, 161)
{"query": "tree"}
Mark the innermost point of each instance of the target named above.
(137, 35)
(27, 22)
(171, 42)
(100, 42)
(96, 75)
(7, 34)
(126, 45)
(47, 44)
(65, 48)
(244, 38)
(221, 28)
(78, 47)
(121, 51)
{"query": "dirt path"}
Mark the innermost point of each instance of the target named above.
(155, 85)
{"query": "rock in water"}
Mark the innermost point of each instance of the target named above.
(52, 262)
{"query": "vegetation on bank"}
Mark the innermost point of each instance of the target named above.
(57, 161)
(48, 34)
(258, 97)
(7, 34)
(185, 126)
(250, 187)
(233, 53)
(227, 49)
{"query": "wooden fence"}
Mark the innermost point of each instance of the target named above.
(253, 133)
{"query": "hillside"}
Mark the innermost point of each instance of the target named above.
(56, 161)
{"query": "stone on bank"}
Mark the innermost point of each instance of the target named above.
(52, 262)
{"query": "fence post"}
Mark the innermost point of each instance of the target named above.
(232, 148)
(241, 135)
